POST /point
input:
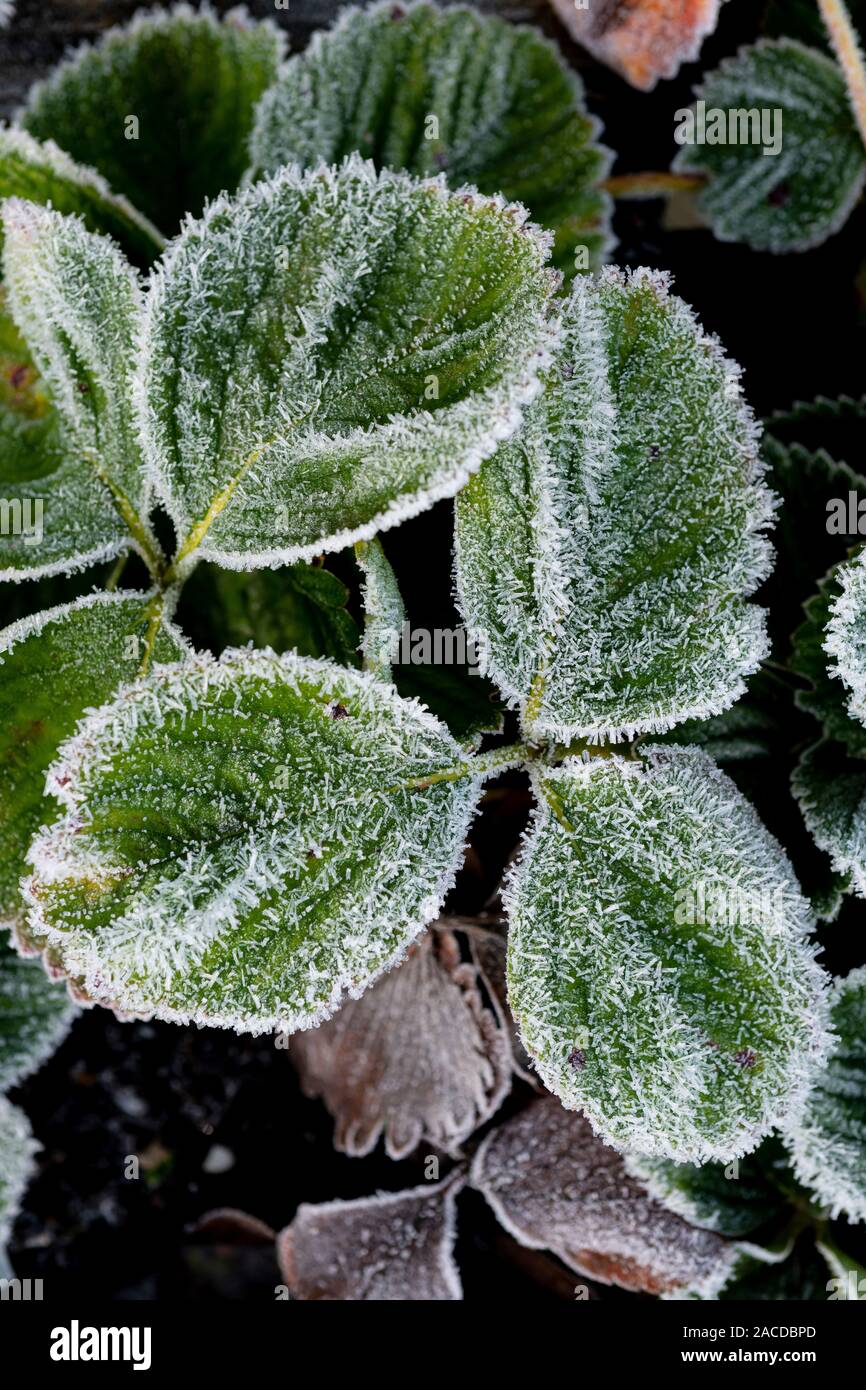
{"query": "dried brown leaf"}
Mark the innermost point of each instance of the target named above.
(395, 1247)
(642, 40)
(554, 1185)
(420, 1056)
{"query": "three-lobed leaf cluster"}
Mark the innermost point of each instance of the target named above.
(244, 841)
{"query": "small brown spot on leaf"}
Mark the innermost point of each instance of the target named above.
(339, 712)
(577, 1059)
(745, 1057)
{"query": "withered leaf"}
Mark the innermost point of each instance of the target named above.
(642, 40)
(554, 1185)
(420, 1056)
(394, 1247)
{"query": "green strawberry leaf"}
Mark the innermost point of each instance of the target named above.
(826, 1136)
(162, 108)
(80, 496)
(34, 1016)
(299, 606)
(384, 612)
(735, 1199)
(330, 353)
(245, 840)
(656, 961)
(796, 198)
(42, 173)
(603, 556)
(488, 103)
(18, 1149)
(53, 667)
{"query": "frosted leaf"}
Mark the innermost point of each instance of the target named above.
(7, 12)
(827, 1139)
(301, 606)
(162, 107)
(830, 788)
(845, 641)
(291, 339)
(657, 965)
(553, 1185)
(739, 734)
(849, 1276)
(17, 1151)
(603, 556)
(247, 840)
(642, 40)
(417, 1058)
(800, 1277)
(794, 199)
(54, 666)
(734, 1199)
(77, 304)
(34, 1016)
(384, 612)
(395, 1247)
(426, 90)
(43, 173)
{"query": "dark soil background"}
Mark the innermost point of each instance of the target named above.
(219, 1120)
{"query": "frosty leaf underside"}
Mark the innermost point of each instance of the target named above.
(797, 197)
(53, 667)
(188, 81)
(81, 492)
(603, 555)
(329, 354)
(657, 966)
(246, 840)
(486, 102)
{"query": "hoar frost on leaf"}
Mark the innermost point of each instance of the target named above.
(330, 353)
(734, 1199)
(642, 40)
(828, 1137)
(553, 1185)
(793, 199)
(395, 1247)
(42, 173)
(17, 1151)
(77, 304)
(188, 79)
(846, 634)
(417, 1057)
(426, 90)
(34, 1016)
(603, 555)
(384, 612)
(54, 666)
(246, 840)
(830, 788)
(657, 965)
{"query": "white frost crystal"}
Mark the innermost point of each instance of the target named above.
(396, 1247)
(553, 1185)
(418, 1057)
(657, 964)
(247, 840)
(828, 1138)
(604, 555)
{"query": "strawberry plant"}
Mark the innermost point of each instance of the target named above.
(258, 314)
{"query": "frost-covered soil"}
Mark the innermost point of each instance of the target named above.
(218, 1120)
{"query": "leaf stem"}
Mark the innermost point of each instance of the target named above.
(119, 566)
(651, 183)
(843, 37)
(140, 532)
(218, 505)
(482, 765)
(154, 613)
